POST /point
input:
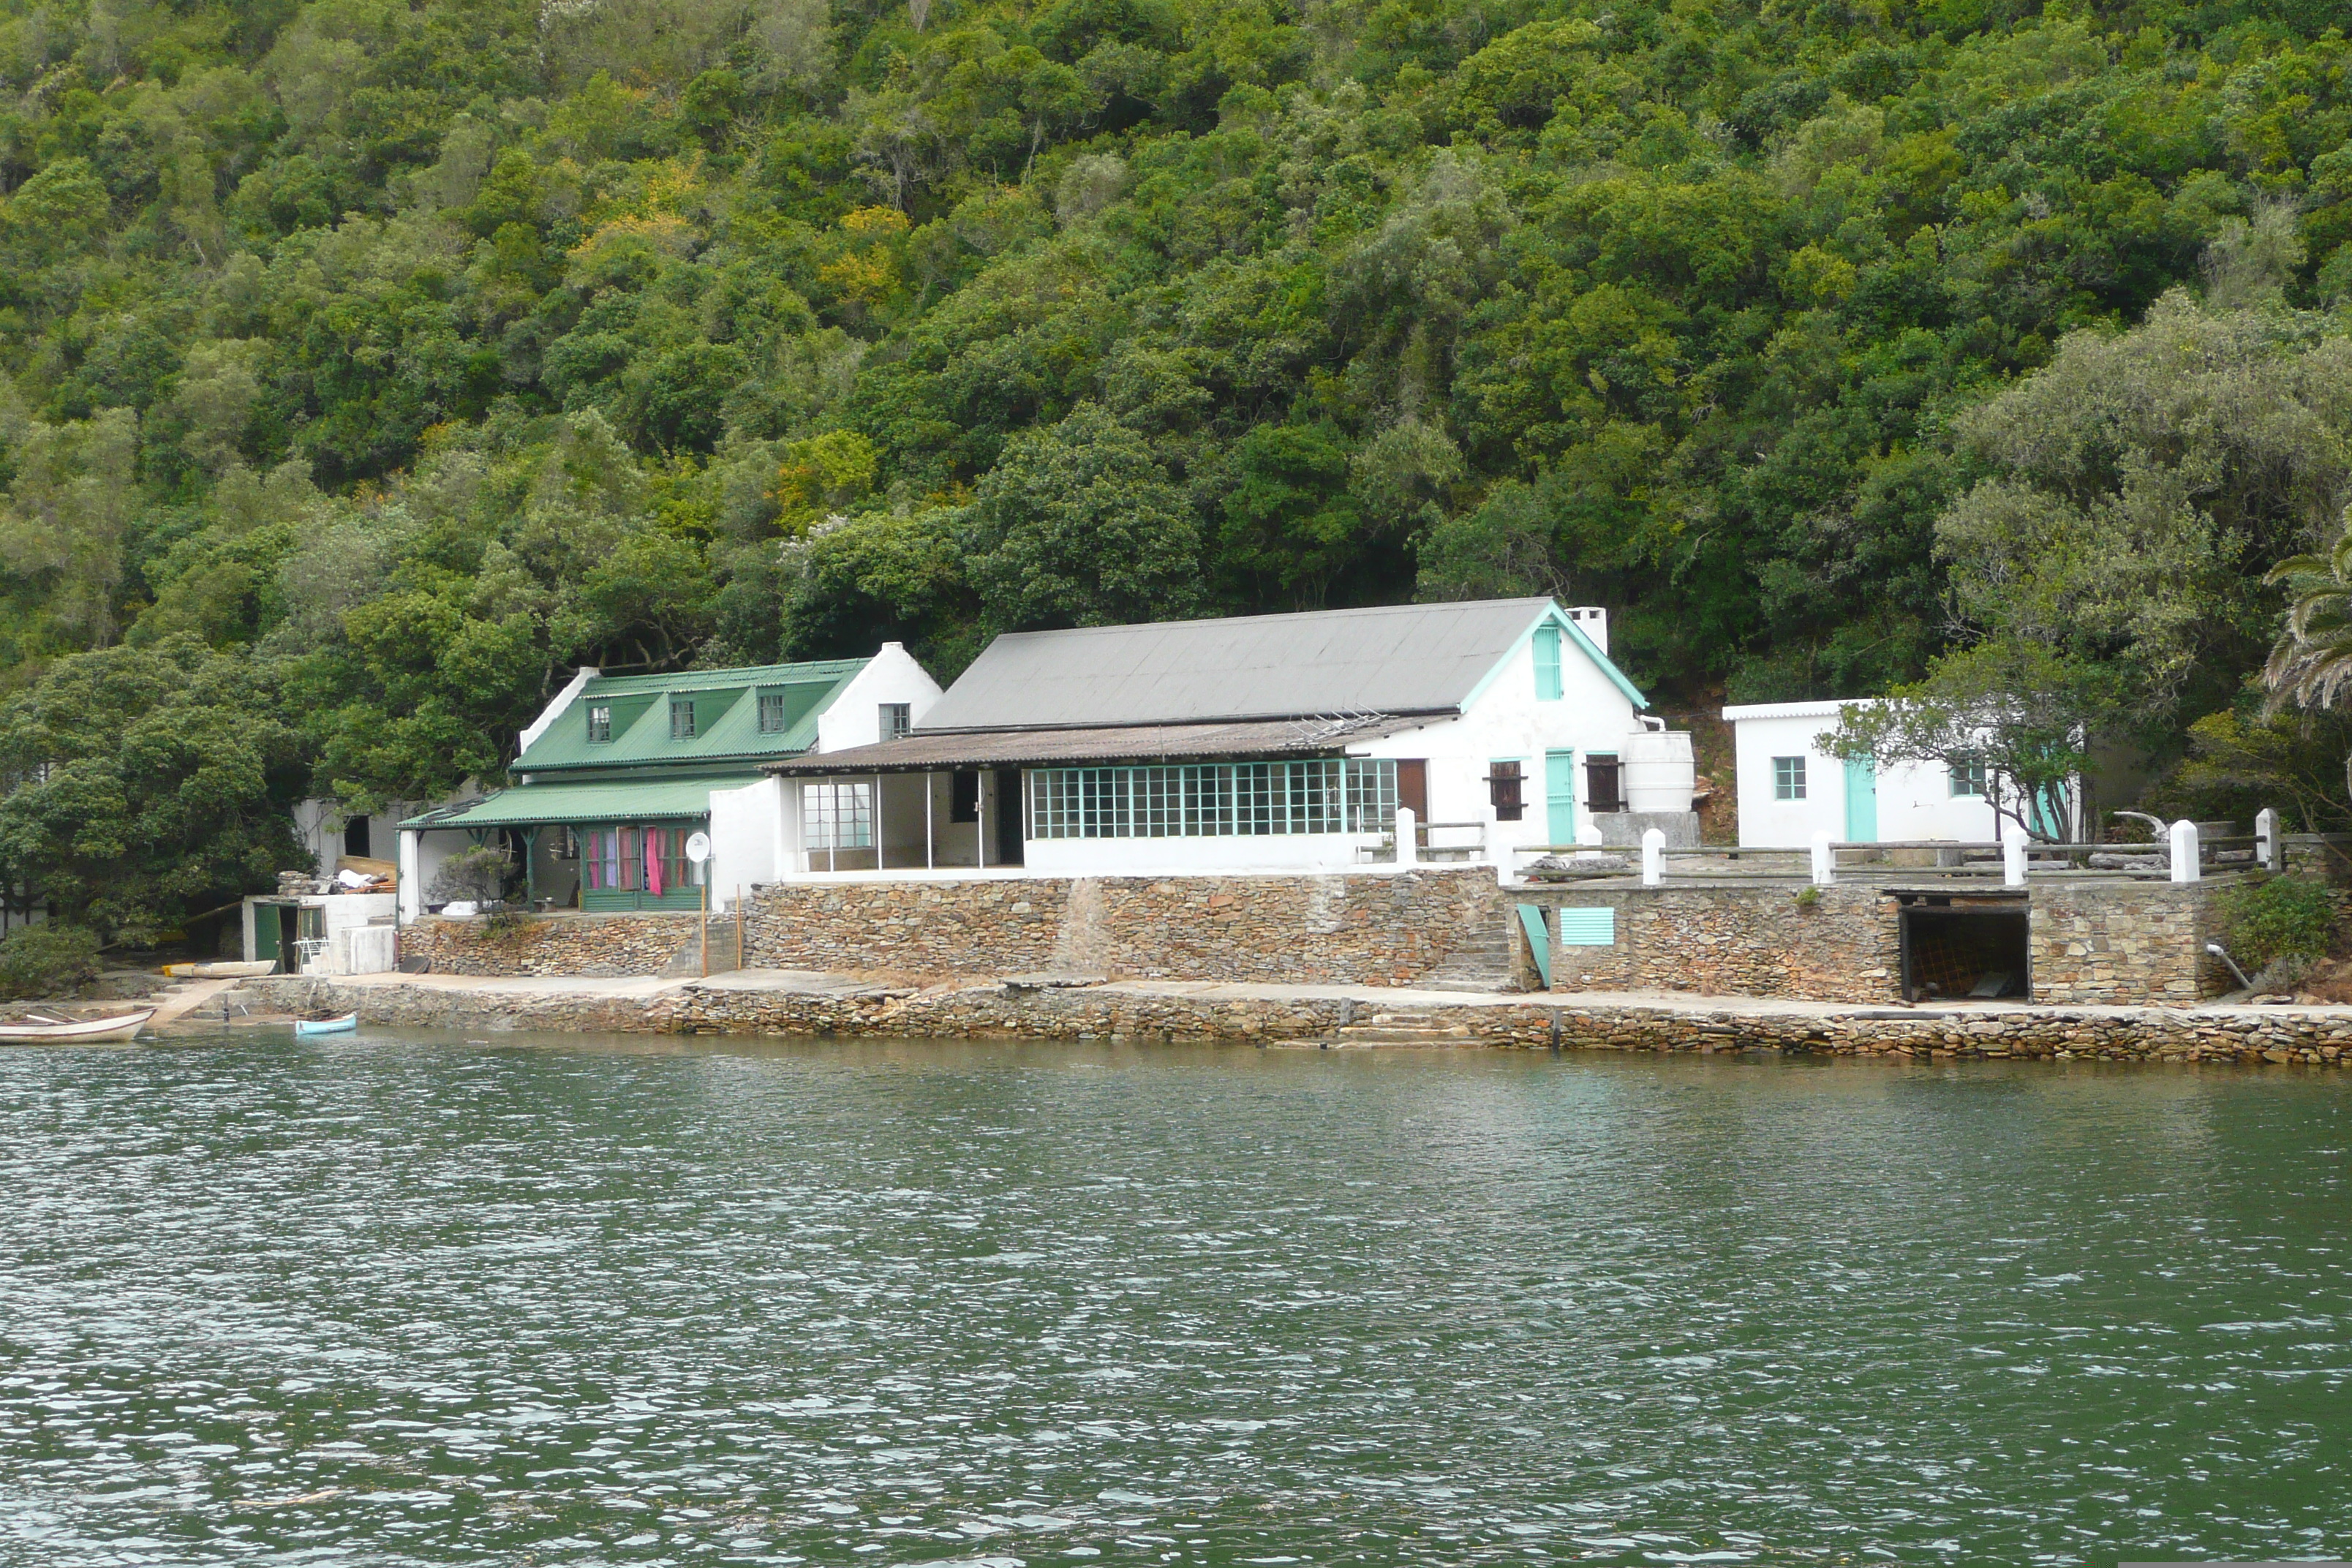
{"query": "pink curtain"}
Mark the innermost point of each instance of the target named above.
(653, 861)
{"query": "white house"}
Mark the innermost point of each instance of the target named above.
(1259, 743)
(619, 773)
(1791, 787)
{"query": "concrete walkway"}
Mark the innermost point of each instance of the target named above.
(816, 983)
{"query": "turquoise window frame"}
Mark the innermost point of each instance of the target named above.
(1789, 778)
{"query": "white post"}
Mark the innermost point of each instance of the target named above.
(2013, 862)
(1588, 833)
(2270, 849)
(1824, 860)
(1653, 857)
(1408, 836)
(878, 822)
(411, 903)
(1490, 836)
(2184, 851)
(931, 783)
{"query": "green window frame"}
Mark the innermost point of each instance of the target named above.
(681, 719)
(600, 723)
(1549, 686)
(1787, 778)
(1966, 777)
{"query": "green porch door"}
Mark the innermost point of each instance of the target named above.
(1560, 797)
(1860, 801)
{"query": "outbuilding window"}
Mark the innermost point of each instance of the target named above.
(1507, 789)
(1968, 778)
(1787, 778)
(897, 720)
(771, 712)
(681, 718)
(600, 723)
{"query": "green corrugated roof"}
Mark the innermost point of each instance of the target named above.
(727, 703)
(616, 800)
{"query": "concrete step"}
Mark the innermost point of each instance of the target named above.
(1392, 1035)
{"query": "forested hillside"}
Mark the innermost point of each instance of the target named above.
(368, 365)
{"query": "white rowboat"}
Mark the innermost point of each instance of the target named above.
(221, 971)
(88, 1029)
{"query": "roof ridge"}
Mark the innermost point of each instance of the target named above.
(1351, 610)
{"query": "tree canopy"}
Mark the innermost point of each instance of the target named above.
(378, 363)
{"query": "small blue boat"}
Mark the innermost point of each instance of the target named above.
(306, 1027)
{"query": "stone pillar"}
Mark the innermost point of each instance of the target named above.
(1824, 860)
(2184, 851)
(2013, 862)
(1408, 836)
(1653, 857)
(2270, 849)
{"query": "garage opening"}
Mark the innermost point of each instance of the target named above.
(1972, 948)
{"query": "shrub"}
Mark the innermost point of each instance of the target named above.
(479, 875)
(47, 960)
(2285, 917)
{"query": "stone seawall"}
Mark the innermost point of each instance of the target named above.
(564, 944)
(2096, 942)
(2251, 1036)
(1357, 929)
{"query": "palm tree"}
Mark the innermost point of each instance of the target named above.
(2312, 664)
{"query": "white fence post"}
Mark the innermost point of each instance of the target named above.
(1407, 836)
(1588, 835)
(2013, 862)
(1824, 860)
(1653, 857)
(2184, 851)
(2270, 849)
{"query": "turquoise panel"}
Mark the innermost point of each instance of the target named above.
(1539, 940)
(1559, 796)
(1588, 927)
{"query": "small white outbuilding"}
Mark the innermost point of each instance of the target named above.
(1791, 786)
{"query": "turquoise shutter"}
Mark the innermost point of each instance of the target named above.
(1547, 684)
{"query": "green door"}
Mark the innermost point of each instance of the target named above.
(265, 931)
(1559, 796)
(1860, 801)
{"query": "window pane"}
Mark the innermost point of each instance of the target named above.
(681, 718)
(1787, 778)
(771, 712)
(600, 723)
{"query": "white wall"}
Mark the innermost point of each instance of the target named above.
(1914, 799)
(421, 850)
(743, 839)
(1197, 857)
(1507, 721)
(855, 718)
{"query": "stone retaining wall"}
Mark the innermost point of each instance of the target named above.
(619, 944)
(1355, 929)
(2114, 942)
(2252, 1037)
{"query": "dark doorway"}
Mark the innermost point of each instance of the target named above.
(355, 835)
(1010, 836)
(1975, 950)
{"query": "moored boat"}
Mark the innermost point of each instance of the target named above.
(225, 970)
(306, 1027)
(75, 1031)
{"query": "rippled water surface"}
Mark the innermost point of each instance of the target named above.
(404, 1300)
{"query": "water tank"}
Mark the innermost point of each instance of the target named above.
(1659, 774)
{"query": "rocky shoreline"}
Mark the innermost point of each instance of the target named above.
(1142, 1012)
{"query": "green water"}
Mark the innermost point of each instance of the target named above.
(393, 1299)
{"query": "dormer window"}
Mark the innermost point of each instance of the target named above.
(600, 723)
(681, 718)
(771, 712)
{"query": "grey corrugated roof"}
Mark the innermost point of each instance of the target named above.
(1400, 658)
(1130, 743)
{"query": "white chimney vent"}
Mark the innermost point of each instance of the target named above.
(1592, 620)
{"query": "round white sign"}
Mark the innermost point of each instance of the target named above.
(698, 847)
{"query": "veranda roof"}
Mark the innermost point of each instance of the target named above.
(619, 800)
(1136, 744)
